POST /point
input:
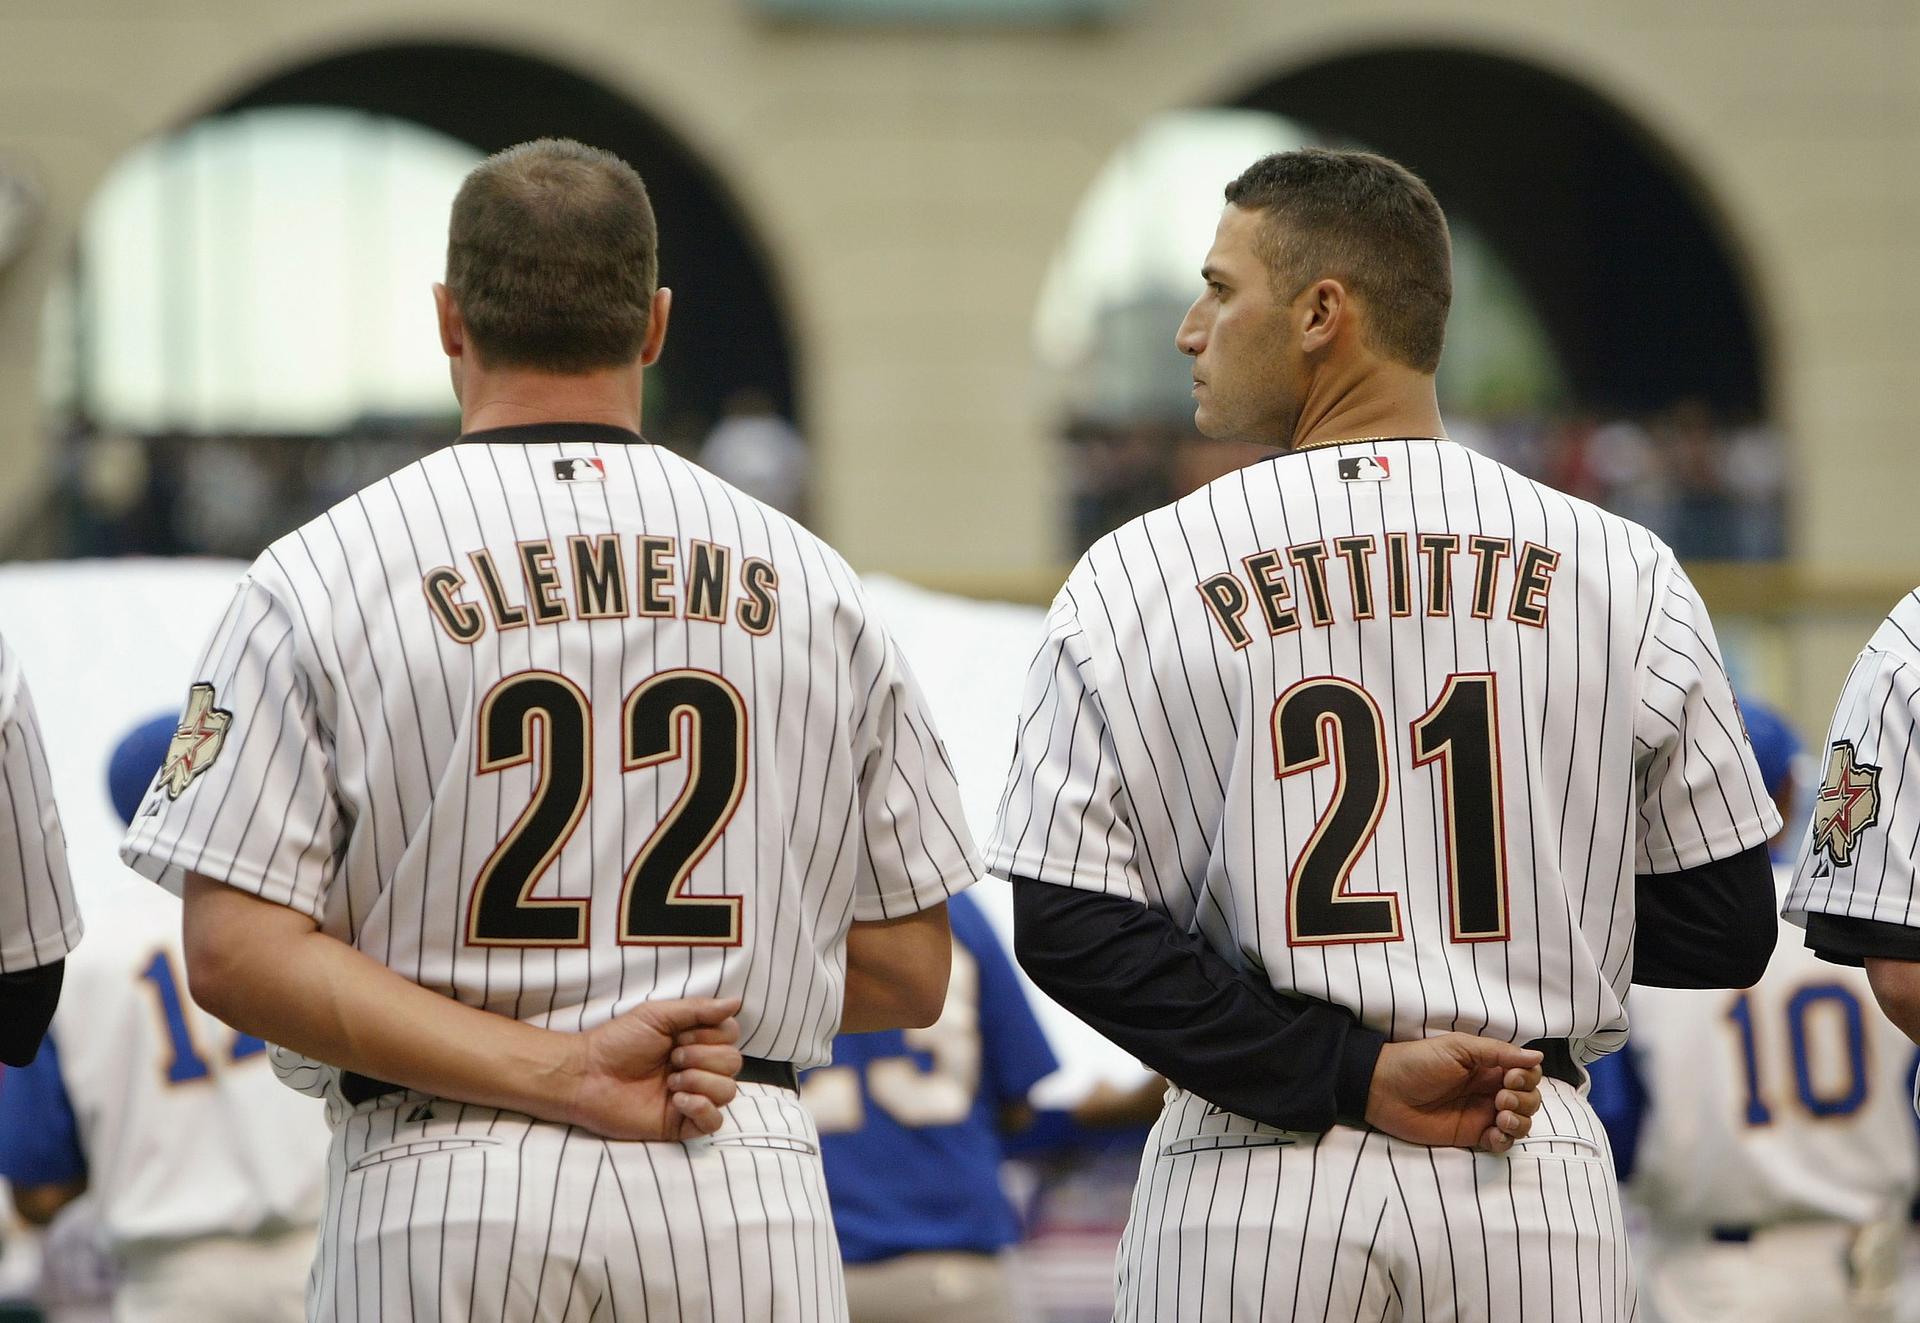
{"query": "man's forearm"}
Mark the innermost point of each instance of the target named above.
(897, 972)
(1172, 1001)
(268, 971)
(1896, 986)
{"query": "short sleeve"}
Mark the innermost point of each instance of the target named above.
(916, 850)
(245, 795)
(1064, 816)
(1017, 1054)
(1701, 797)
(39, 921)
(1857, 857)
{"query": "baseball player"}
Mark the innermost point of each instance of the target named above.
(910, 1126)
(1854, 879)
(1777, 1164)
(509, 781)
(207, 1175)
(1382, 723)
(39, 922)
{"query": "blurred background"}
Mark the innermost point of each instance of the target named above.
(940, 247)
(929, 256)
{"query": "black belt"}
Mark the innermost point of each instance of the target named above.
(1559, 1063)
(357, 1088)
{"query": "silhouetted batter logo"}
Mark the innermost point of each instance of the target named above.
(582, 468)
(1365, 468)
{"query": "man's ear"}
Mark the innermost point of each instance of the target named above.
(453, 332)
(656, 326)
(1325, 308)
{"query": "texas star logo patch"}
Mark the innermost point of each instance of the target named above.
(197, 741)
(1365, 468)
(1848, 804)
(581, 468)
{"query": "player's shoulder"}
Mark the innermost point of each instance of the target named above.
(780, 529)
(1899, 634)
(321, 548)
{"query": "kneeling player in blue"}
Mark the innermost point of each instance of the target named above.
(910, 1123)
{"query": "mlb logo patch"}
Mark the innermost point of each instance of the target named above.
(584, 468)
(1365, 468)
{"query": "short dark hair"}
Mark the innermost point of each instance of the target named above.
(553, 257)
(1367, 222)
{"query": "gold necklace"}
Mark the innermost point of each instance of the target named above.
(1362, 440)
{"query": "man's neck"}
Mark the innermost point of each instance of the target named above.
(1387, 400)
(516, 398)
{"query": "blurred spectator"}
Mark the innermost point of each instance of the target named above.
(759, 452)
(1757, 478)
(1118, 469)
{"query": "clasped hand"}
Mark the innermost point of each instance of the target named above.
(662, 1071)
(1457, 1091)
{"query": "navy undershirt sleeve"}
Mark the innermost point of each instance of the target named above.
(1170, 999)
(1708, 927)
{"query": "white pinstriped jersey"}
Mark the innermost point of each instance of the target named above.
(39, 921)
(1393, 723)
(556, 725)
(1858, 857)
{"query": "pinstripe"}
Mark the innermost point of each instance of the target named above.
(1857, 859)
(851, 813)
(1366, 1265)
(1620, 753)
(39, 921)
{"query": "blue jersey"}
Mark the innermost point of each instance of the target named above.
(39, 1137)
(909, 1119)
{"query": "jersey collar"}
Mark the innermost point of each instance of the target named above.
(532, 433)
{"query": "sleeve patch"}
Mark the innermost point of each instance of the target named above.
(1848, 804)
(197, 742)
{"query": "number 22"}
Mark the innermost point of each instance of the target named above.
(542, 717)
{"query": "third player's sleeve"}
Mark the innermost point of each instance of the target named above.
(915, 847)
(1064, 816)
(245, 796)
(1857, 859)
(1701, 795)
(39, 921)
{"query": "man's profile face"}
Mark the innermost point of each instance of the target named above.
(1237, 333)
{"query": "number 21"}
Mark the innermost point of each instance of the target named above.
(1326, 721)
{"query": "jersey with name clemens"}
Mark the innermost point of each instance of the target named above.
(1392, 723)
(556, 727)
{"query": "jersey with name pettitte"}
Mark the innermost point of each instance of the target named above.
(556, 725)
(1396, 725)
(1858, 857)
(39, 922)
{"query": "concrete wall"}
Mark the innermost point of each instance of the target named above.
(911, 186)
